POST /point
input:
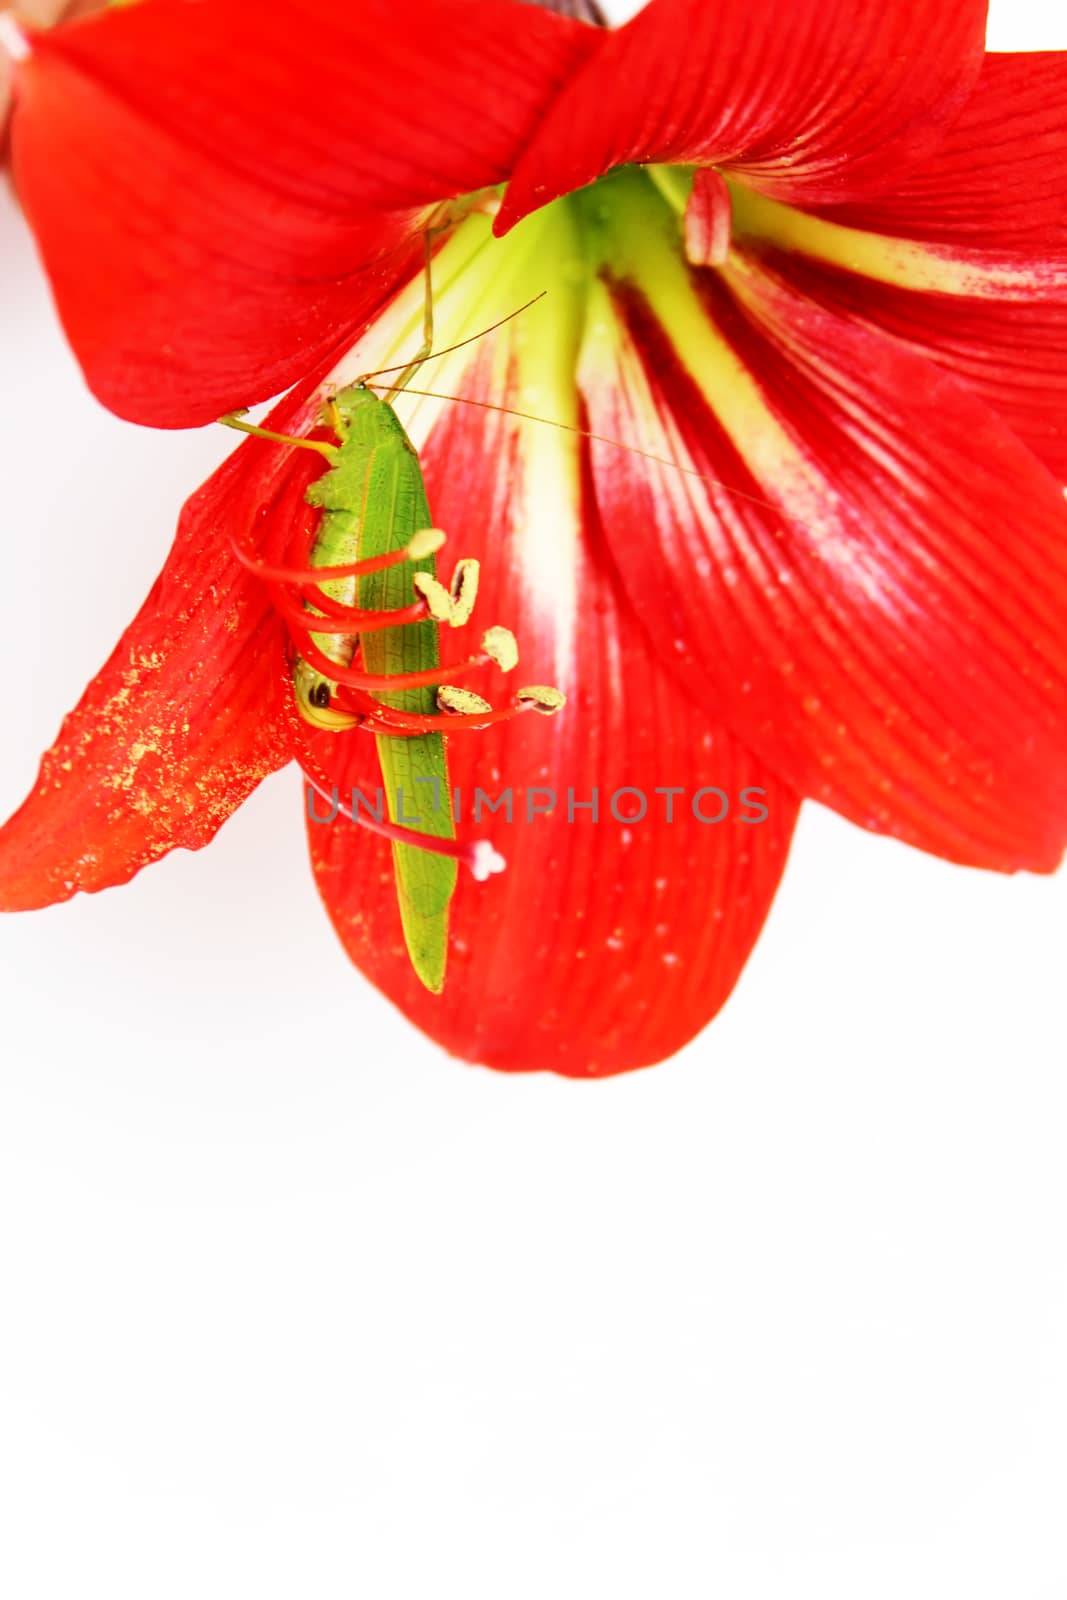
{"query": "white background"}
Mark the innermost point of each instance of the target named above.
(292, 1305)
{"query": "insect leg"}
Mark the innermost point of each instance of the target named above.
(233, 420)
(426, 347)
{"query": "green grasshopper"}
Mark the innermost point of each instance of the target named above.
(376, 543)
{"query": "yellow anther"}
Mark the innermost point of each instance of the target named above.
(464, 591)
(438, 600)
(499, 645)
(425, 543)
(463, 702)
(543, 698)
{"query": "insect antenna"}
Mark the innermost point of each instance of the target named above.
(586, 433)
(409, 367)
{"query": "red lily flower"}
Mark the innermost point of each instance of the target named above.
(816, 258)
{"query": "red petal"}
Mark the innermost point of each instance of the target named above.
(191, 711)
(1009, 346)
(371, 105)
(221, 198)
(817, 100)
(604, 946)
(177, 281)
(984, 289)
(998, 179)
(879, 601)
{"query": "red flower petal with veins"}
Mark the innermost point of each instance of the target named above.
(192, 710)
(997, 179)
(966, 258)
(817, 100)
(223, 198)
(875, 596)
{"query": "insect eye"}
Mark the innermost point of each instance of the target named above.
(320, 695)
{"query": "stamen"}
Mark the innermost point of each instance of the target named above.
(500, 646)
(339, 696)
(542, 697)
(312, 577)
(464, 591)
(338, 672)
(462, 702)
(322, 602)
(341, 619)
(425, 543)
(380, 682)
(437, 598)
(464, 712)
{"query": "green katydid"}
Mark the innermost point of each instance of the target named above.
(376, 524)
(375, 544)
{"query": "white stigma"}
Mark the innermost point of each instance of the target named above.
(484, 860)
